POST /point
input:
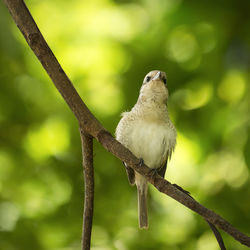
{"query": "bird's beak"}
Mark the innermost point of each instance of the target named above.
(157, 76)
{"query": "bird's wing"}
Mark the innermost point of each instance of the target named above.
(131, 174)
(162, 170)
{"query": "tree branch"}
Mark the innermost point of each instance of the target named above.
(37, 43)
(212, 226)
(88, 171)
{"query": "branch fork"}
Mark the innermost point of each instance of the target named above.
(91, 128)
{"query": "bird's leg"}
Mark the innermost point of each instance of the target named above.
(152, 171)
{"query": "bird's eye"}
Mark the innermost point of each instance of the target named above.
(164, 80)
(148, 78)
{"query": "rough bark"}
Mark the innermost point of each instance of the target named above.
(34, 38)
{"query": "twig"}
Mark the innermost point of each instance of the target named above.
(213, 227)
(88, 171)
(217, 236)
(34, 38)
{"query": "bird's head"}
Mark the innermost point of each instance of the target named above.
(154, 87)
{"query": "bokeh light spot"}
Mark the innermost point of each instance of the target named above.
(51, 138)
(103, 94)
(120, 23)
(205, 36)
(181, 168)
(182, 45)
(158, 8)
(181, 222)
(224, 167)
(9, 215)
(53, 236)
(232, 87)
(197, 94)
(43, 196)
(126, 235)
(95, 57)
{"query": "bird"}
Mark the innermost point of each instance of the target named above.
(149, 134)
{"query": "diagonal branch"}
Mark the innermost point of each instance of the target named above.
(34, 38)
(166, 187)
(88, 171)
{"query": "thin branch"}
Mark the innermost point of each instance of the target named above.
(88, 171)
(212, 226)
(217, 236)
(37, 43)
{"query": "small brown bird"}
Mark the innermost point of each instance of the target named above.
(149, 134)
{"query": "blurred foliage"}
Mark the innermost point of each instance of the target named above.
(106, 47)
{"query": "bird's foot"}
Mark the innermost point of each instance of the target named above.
(141, 162)
(152, 173)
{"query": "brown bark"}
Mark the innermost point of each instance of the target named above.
(88, 172)
(34, 38)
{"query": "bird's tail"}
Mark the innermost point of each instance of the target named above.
(142, 205)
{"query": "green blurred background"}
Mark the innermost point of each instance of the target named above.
(106, 47)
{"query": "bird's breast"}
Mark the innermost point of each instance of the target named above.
(151, 141)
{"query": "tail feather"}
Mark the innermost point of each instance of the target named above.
(142, 205)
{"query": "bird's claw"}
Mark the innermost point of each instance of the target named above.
(141, 162)
(152, 173)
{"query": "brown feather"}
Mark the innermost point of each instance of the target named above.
(131, 174)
